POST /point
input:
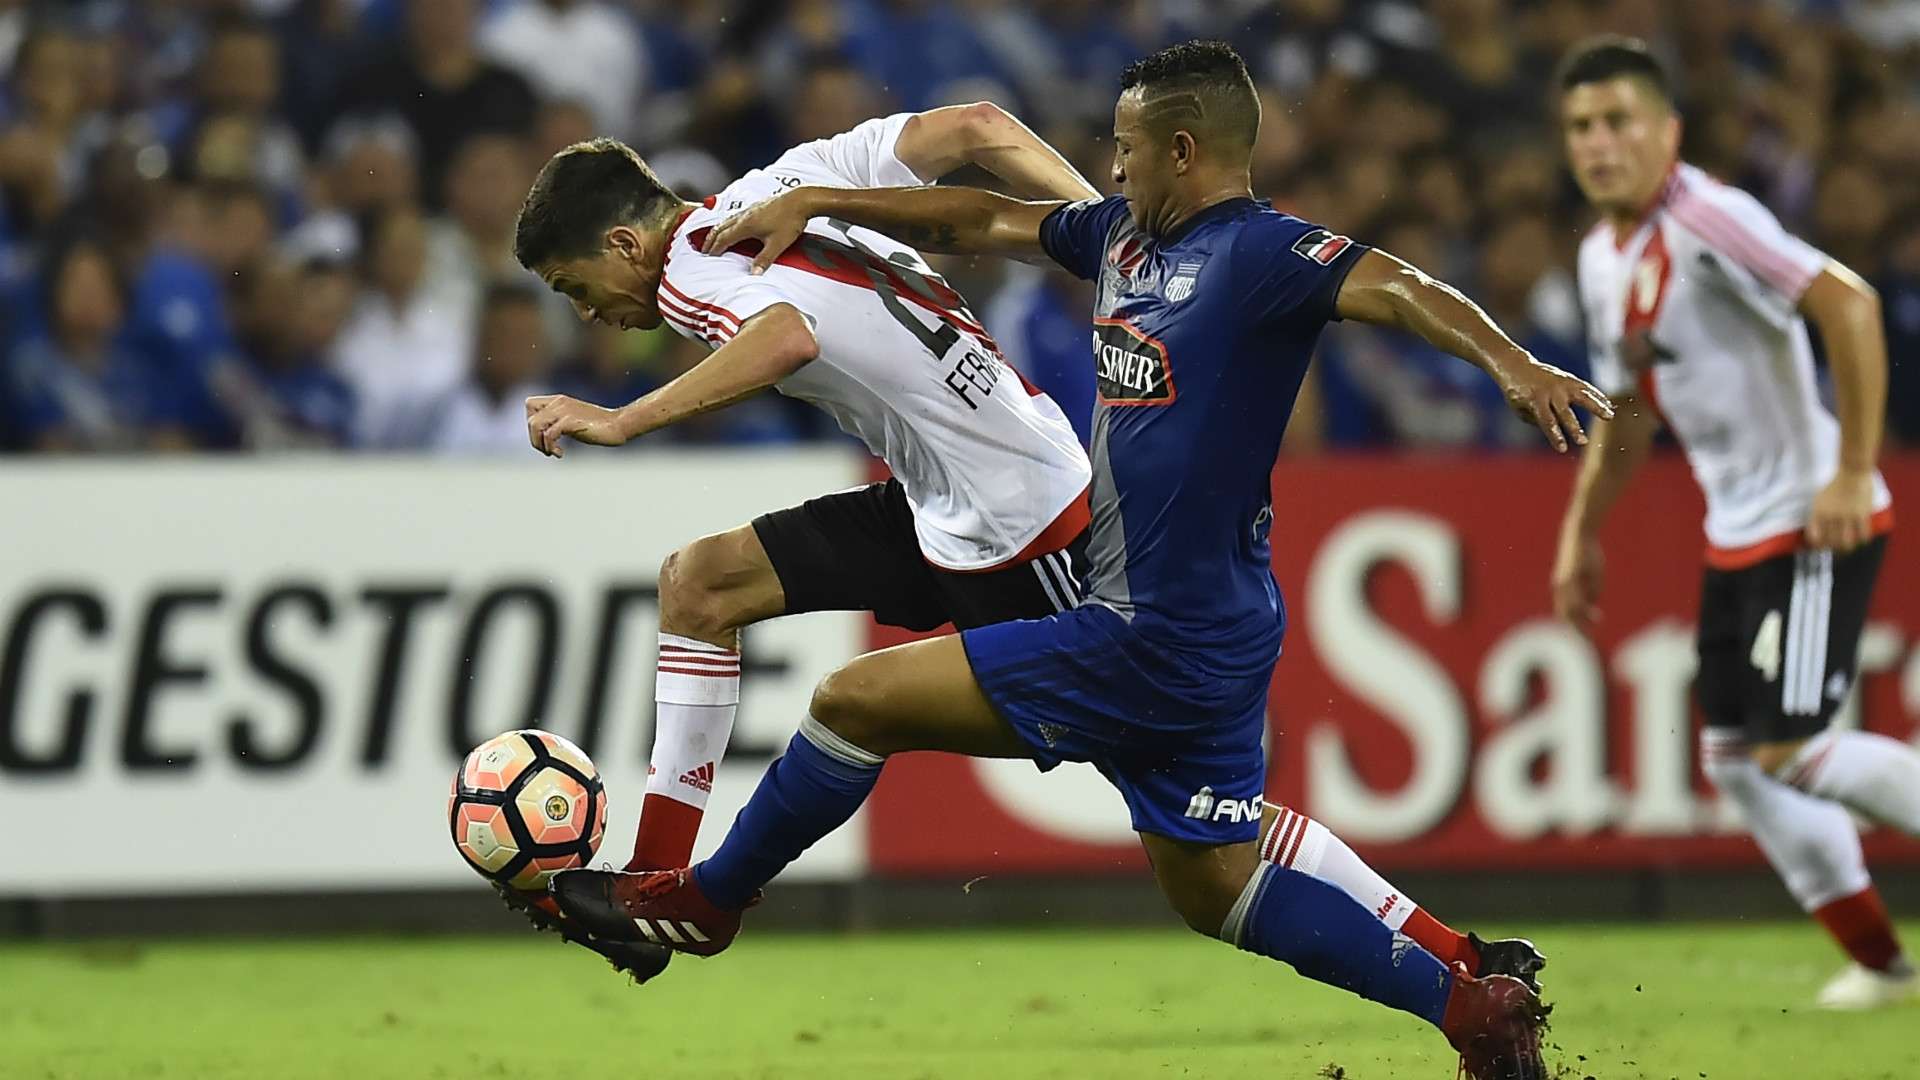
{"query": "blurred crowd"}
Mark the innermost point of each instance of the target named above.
(262, 224)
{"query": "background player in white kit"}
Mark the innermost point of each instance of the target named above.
(1696, 302)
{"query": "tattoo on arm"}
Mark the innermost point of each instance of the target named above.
(931, 237)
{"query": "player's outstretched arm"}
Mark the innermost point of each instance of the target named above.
(1386, 291)
(1847, 311)
(948, 220)
(938, 141)
(769, 347)
(1615, 449)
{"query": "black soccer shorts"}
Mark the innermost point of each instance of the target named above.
(1779, 640)
(856, 551)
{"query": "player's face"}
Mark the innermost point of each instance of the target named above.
(614, 288)
(1142, 165)
(1621, 140)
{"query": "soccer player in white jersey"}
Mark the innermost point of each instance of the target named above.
(1697, 303)
(985, 520)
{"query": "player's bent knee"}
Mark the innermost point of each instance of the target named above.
(848, 703)
(694, 596)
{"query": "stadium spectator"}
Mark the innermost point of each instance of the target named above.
(438, 81)
(923, 53)
(371, 168)
(177, 319)
(1375, 111)
(582, 50)
(320, 41)
(1463, 59)
(228, 129)
(283, 397)
(559, 124)
(78, 386)
(486, 414)
(832, 96)
(403, 348)
(471, 245)
(1291, 44)
(47, 135)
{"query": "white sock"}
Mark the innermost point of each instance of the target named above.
(1300, 843)
(1871, 774)
(696, 692)
(1811, 842)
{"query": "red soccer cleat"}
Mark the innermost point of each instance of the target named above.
(1495, 1023)
(663, 907)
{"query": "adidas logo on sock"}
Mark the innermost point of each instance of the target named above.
(699, 777)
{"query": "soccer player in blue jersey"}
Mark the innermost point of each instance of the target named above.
(1207, 311)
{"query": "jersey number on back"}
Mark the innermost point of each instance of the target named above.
(969, 373)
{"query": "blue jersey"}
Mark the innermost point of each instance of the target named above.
(1200, 341)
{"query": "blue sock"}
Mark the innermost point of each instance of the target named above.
(1329, 937)
(812, 790)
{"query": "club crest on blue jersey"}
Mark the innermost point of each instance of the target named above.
(1180, 284)
(1131, 259)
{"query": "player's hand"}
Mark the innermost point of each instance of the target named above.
(1842, 512)
(1578, 568)
(1544, 396)
(775, 223)
(550, 417)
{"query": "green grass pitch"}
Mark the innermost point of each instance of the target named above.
(1724, 1001)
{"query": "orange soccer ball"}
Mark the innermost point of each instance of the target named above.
(525, 805)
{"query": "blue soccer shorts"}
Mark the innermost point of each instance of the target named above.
(1183, 749)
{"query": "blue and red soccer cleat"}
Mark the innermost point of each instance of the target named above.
(658, 907)
(1495, 1023)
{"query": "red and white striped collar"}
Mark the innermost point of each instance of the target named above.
(673, 231)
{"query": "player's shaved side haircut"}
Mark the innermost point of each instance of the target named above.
(1611, 56)
(1198, 86)
(582, 192)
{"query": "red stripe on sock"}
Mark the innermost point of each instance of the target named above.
(1270, 845)
(1440, 939)
(711, 673)
(1860, 924)
(668, 828)
(1293, 841)
(1295, 820)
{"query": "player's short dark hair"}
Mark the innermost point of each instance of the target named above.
(1200, 86)
(582, 192)
(1612, 56)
